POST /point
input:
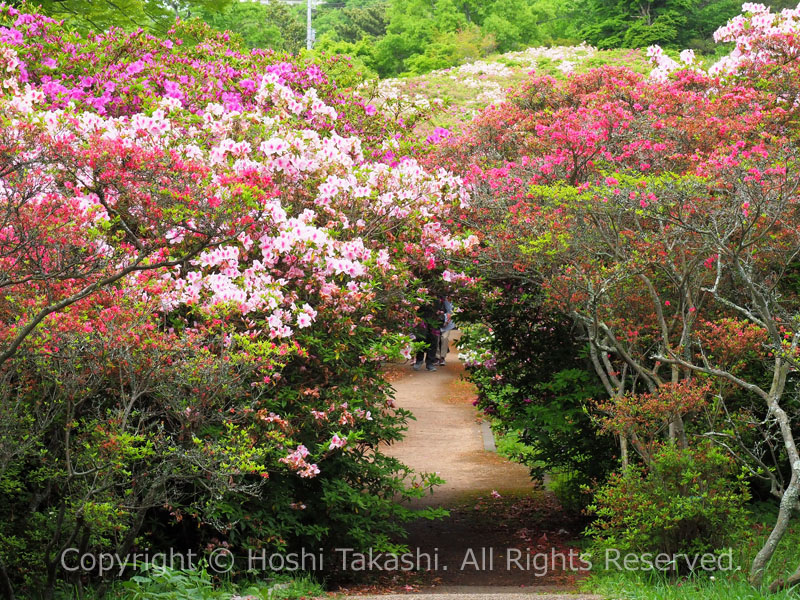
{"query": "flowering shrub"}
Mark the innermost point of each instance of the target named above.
(204, 264)
(758, 35)
(657, 214)
(643, 418)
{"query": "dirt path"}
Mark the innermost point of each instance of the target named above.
(475, 546)
(447, 437)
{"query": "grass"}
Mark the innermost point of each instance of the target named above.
(731, 585)
(160, 583)
(636, 586)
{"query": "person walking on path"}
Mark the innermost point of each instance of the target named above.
(428, 330)
(447, 327)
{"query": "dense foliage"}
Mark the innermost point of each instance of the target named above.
(533, 381)
(392, 37)
(203, 266)
(673, 23)
(272, 24)
(685, 503)
(659, 215)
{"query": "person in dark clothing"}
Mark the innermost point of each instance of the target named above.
(447, 327)
(428, 330)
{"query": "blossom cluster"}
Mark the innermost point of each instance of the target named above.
(756, 23)
(261, 159)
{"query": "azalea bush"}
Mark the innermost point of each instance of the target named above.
(207, 253)
(656, 214)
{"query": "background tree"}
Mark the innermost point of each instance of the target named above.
(669, 23)
(261, 25)
(154, 16)
(359, 22)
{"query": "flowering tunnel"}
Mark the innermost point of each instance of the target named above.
(209, 253)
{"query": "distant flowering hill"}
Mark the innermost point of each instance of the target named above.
(457, 94)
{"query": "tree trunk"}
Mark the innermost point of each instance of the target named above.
(644, 11)
(124, 548)
(781, 525)
(6, 588)
(790, 494)
(623, 452)
(780, 584)
(677, 433)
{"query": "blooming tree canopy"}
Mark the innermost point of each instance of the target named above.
(660, 214)
(206, 253)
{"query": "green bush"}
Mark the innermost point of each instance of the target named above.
(721, 585)
(569, 489)
(689, 501)
(155, 582)
(535, 383)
